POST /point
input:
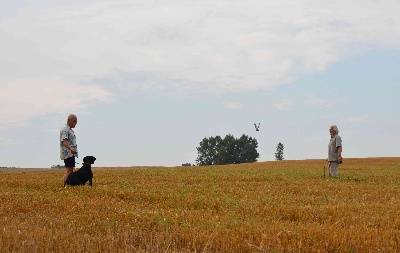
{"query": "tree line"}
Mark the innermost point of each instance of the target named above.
(230, 150)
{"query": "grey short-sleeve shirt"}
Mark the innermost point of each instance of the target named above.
(66, 133)
(334, 143)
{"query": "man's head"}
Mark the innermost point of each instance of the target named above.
(89, 159)
(72, 120)
(333, 130)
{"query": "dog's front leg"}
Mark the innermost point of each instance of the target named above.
(90, 181)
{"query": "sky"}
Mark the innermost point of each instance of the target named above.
(148, 80)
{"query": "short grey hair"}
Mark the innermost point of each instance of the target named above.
(335, 128)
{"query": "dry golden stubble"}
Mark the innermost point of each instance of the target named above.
(260, 207)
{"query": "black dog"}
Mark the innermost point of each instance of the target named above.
(83, 175)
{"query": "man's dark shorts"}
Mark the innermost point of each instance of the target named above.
(70, 162)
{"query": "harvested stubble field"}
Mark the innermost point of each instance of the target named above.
(285, 206)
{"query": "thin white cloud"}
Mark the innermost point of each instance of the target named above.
(25, 99)
(214, 46)
(313, 100)
(283, 105)
(232, 105)
(394, 138)
(357, 119)
(317, 138)
(5, 141)
(174, 47)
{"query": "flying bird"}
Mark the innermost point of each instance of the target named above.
(257, 127)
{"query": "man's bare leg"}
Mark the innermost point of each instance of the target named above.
(68, 171)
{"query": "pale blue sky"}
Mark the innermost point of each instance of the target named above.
(149, 80)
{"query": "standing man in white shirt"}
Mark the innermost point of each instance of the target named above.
(334, 151)
(68, 146)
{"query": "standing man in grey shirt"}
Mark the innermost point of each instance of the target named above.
(334, 151)
(68, 146)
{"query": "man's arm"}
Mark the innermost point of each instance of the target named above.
(339, 149)
(66, 144)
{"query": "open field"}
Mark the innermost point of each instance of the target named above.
(284, 206)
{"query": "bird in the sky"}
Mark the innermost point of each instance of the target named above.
(257, 127)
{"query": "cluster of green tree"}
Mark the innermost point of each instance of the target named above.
(215, 150)
(58, 166)
(279, 152)
(187, 164)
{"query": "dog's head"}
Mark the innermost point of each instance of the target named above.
(89, 159)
